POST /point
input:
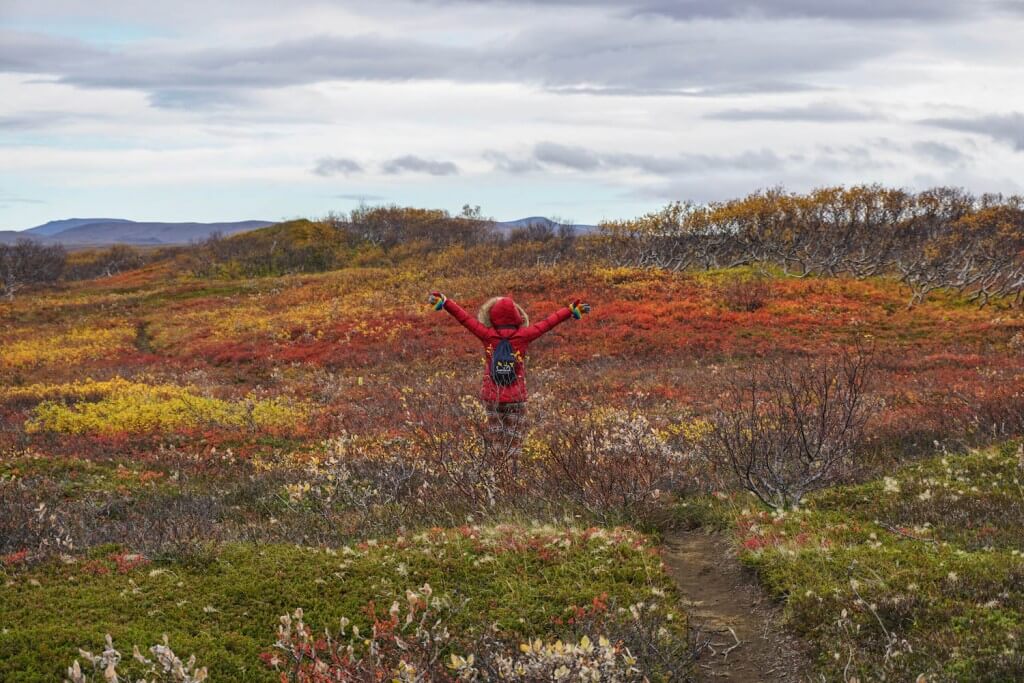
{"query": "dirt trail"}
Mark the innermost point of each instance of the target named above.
(722, 599)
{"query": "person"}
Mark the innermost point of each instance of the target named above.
(504, 395)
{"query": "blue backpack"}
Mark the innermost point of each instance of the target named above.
(503, 364)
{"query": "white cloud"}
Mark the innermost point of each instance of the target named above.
(594, 106)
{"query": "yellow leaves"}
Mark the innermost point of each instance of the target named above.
(120, 406)
(694, 430)
(72, 391)
(536, 646)
(297, 492)
(70, 347)
(618, 275)
(457, 663)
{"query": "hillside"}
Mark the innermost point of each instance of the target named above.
(80, 232)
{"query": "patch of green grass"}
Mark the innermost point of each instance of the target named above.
(705, 512)
(75, 478)
(190, 291)
(514, 579)
(917, 573)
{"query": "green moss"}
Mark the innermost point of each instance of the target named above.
(924, 564)
(77, 478)
(225, 612)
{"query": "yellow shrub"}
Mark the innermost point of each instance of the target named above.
(76, 391)
(694, 430)
(118, 406)
(71, 347)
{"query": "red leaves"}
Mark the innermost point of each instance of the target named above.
(586, 613)
(15, 558)
(122, 562)
(126, 561)
(96, 568)
(755, 543)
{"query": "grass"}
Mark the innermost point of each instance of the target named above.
(79, 479)
(918, 573)
(514, 580)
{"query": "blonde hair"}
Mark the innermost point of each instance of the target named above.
(484, 314)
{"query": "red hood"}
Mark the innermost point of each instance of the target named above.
(504, 312)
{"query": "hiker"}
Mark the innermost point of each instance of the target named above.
(505, 330)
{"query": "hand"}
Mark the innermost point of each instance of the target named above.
(437, 300)
(579, 309)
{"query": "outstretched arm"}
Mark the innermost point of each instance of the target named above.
(574, 310)
(439, 301)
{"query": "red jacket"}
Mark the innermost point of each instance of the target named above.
(506, 323)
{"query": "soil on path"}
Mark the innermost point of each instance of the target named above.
(746, 639)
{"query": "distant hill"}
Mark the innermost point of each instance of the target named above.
(75, 232)
(87, 232)
(128, 232)
(10, 236)
(508, 226)
(54, 227)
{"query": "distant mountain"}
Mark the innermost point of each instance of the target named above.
(507, 226)
(54, 227)
(90, 232)
(80, 232)
(130, 232)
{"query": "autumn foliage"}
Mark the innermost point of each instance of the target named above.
(289, 388)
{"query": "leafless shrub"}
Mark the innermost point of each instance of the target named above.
(790, 427)
(745, 293)
(939, 238)
(108, 262)
(463, 472)
(27, 523)
(612, 464)
(27, 262)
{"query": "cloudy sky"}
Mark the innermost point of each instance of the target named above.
(581, 109)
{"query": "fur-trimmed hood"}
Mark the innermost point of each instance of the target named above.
(502, 310)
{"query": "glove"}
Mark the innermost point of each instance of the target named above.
(578, 309)
(437, 300)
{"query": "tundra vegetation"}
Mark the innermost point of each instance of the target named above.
(268, 448)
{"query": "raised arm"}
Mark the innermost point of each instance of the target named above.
(574, 310)
(440, 301)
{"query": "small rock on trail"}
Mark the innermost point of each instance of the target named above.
(722, 599)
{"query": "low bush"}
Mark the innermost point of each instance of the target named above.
(412, 642)
(123, 406)
(745, 293)
(788, 428)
